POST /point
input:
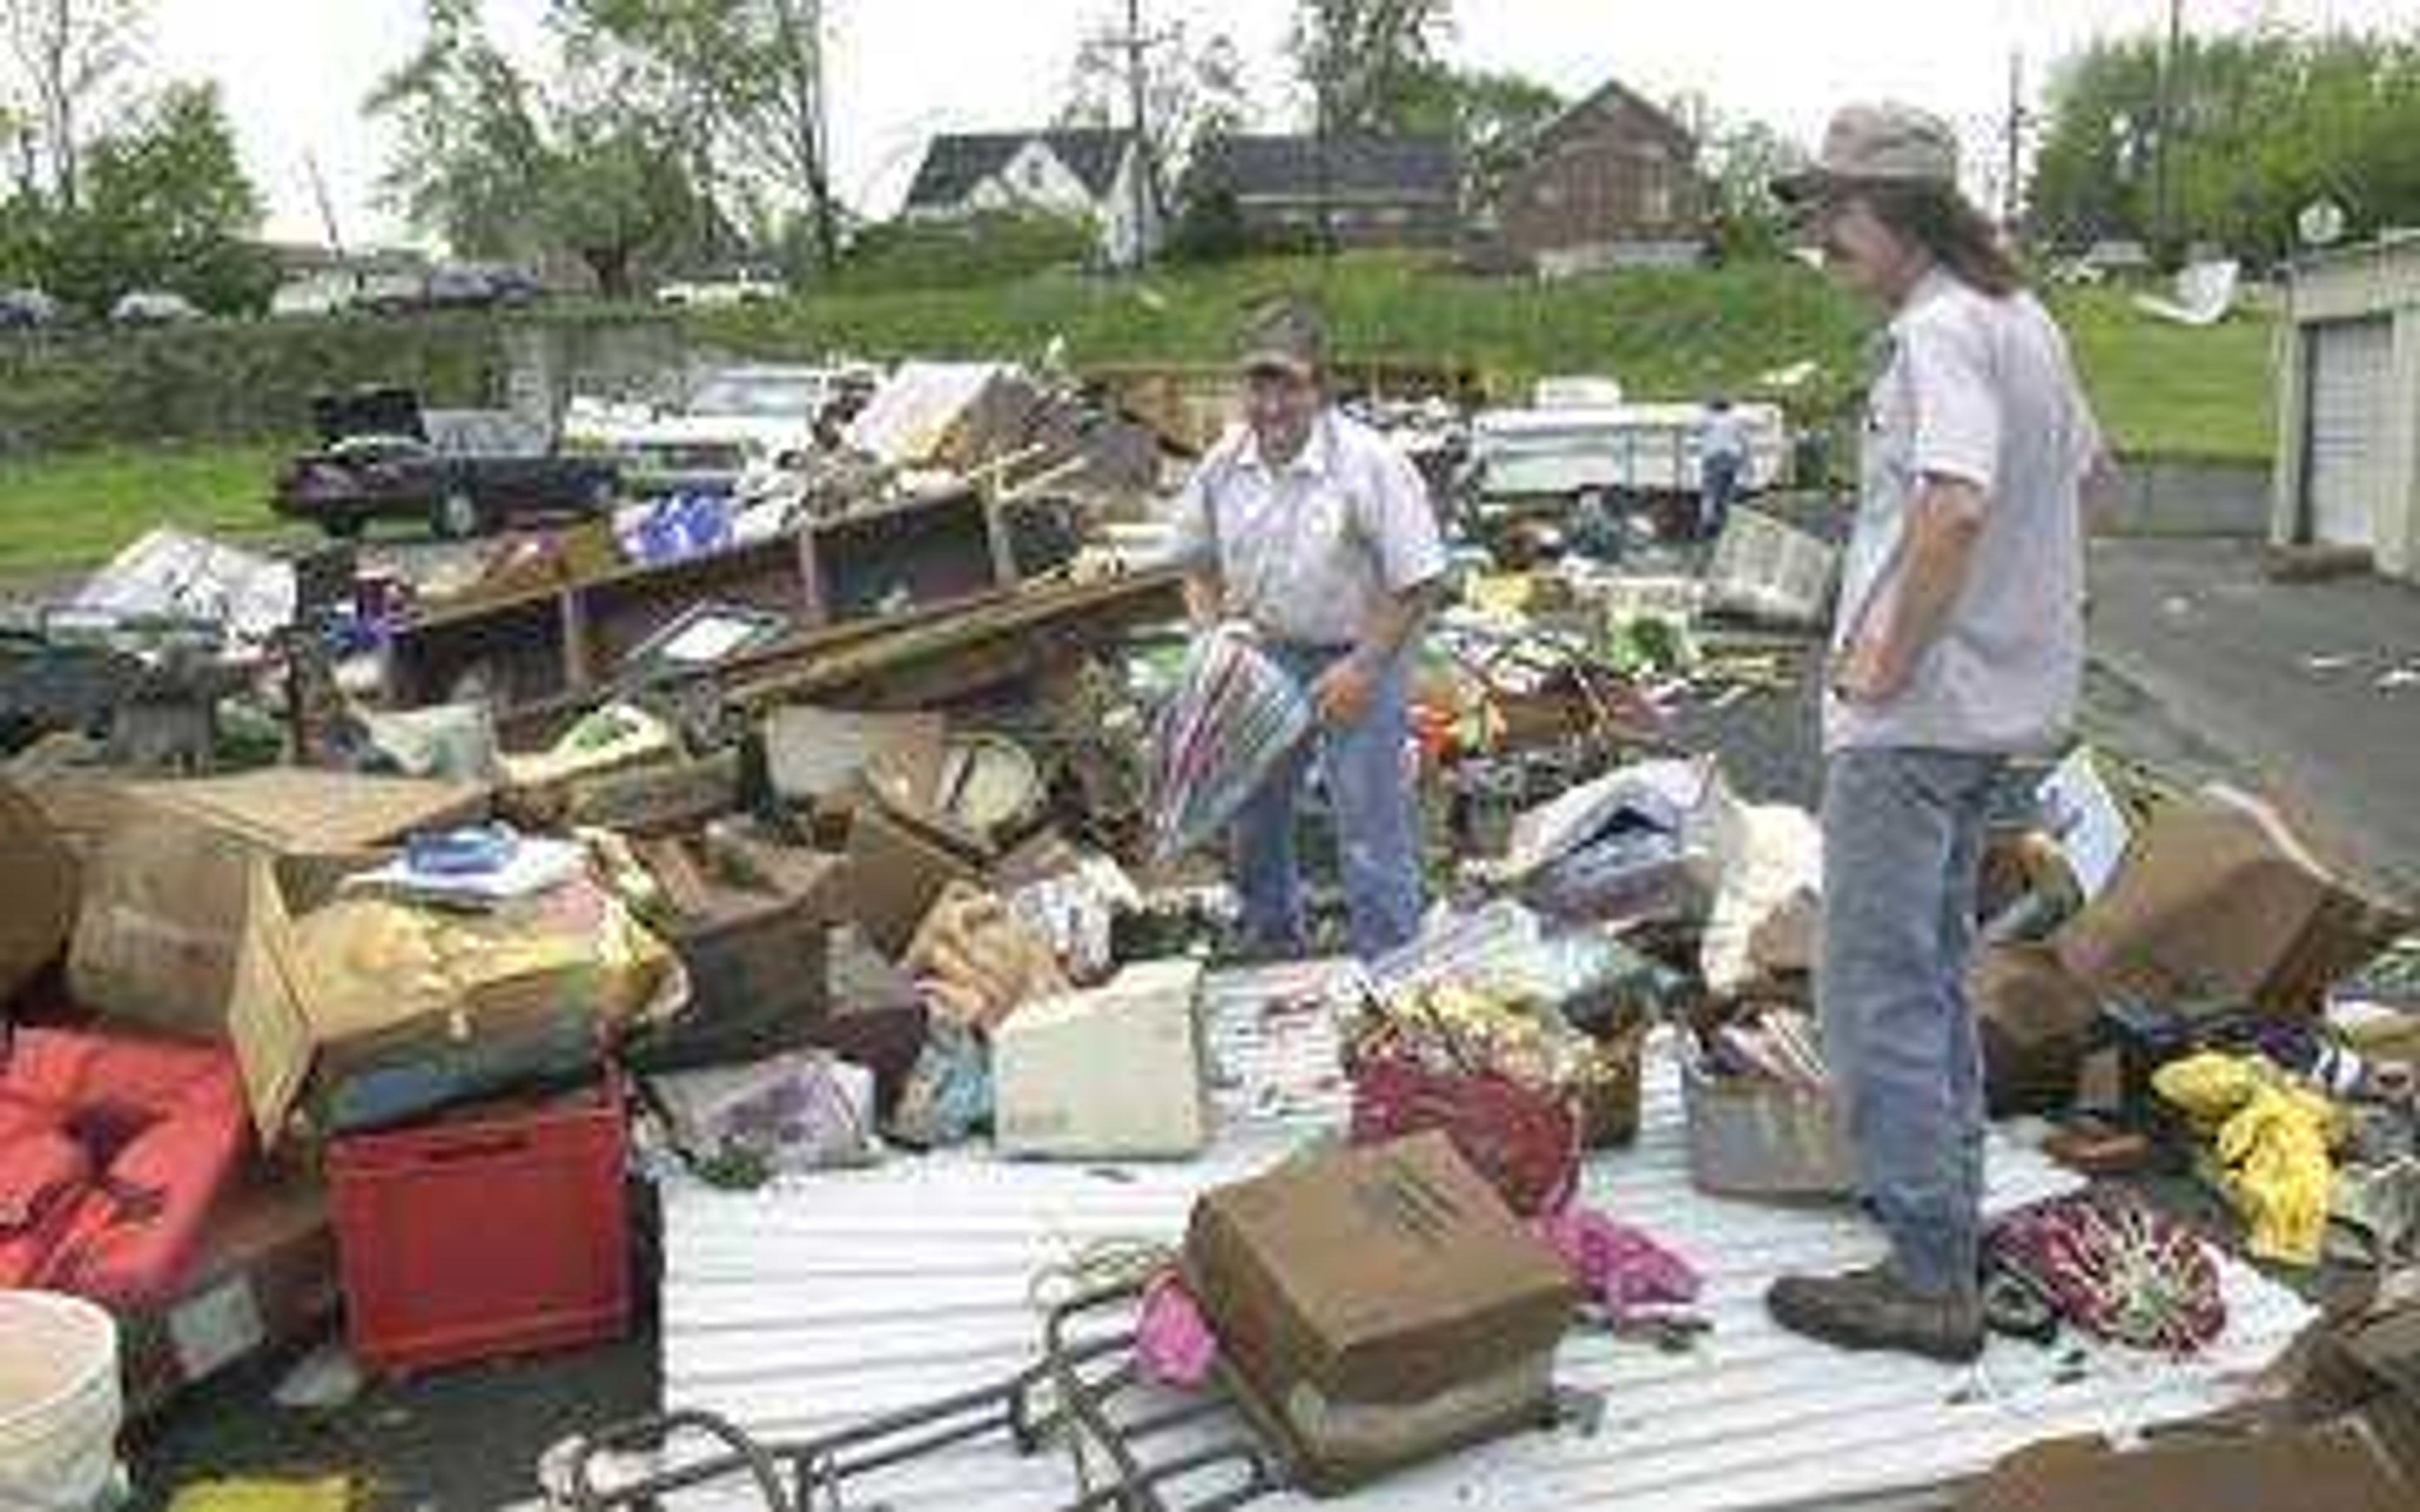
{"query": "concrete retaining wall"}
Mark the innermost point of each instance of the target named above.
(2168, 497)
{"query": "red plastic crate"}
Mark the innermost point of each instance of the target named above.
(501, 1233)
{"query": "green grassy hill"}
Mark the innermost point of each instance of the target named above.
(1664, 334)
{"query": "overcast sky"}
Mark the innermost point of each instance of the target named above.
(295, 72)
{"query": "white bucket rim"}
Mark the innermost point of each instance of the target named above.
(60, 1304)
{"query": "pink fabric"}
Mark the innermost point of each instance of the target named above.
(1619, 1266)
(1174, 1344)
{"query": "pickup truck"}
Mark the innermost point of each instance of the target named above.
(465, 472)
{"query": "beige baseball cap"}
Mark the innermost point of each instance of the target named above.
(1285, 336)
(1877, 144)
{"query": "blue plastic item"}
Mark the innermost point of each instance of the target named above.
(462, 853)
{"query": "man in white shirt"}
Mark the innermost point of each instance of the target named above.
(1959, 643)
(1322, 535)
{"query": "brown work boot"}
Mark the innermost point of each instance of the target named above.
(1873, 1309)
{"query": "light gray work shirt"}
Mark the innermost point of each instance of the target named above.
(1310, 548)
(1980, 390)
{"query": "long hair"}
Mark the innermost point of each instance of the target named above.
(1960, 238)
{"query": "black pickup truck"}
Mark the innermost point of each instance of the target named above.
(465, 472)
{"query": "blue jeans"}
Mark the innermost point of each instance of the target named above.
(1377, 822)
(1721, 487)
(1903, 835)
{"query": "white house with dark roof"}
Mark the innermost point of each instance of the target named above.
(1093, 175)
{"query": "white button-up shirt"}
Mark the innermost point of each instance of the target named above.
(1308, 549)
(1979, 390)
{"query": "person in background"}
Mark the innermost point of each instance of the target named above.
(1958, 642)
(1319, 533)
(1722, 454)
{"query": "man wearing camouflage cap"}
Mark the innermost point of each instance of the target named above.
(1958, 642)
(1320, 536)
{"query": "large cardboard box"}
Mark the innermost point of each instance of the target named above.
(265, 1280)
(358, 1013)
(2221, 903)
(1114, 1073)
(897, 870)
(167, 884)
(1377, 1306)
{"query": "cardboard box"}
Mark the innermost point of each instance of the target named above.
(2314, 1470)
(1378, 1307)
(1754, 1137)
(168, 883)
(1115, 1073)
(358, 1012)
(2037, 1027)
(759, 981)
(2220, 904)
(896, 872)
(265, 1281)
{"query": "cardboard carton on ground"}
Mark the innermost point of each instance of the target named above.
(2313, 1470)
(265, 1280)
(1113, 1073)
(358, 1012)
(2221, 903)
(167, 884)
(1378, 1307)
(897, 870)
(2037, 1027)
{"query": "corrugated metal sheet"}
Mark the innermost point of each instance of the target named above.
(806, 1306)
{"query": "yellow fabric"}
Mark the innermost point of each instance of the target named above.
(333, 1494)
(2270, 1139)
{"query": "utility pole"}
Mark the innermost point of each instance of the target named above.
(1137, 45)
(1145, 168)
(2012, 199)
(2162, 200)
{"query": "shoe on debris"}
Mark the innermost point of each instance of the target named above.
(1873, 1309)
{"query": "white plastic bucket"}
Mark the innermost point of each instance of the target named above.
(59, 1405)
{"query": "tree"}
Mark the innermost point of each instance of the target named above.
(602, 167)
(749, 76)
(469, 159)
(2262, 124)
(166, 205)
(1193, 92)
(1739, 160)
(615, 190)
(1491, 118)
(75, 56)
(1369, 64)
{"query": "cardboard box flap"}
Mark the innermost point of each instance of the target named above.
(267, 1013)
(295, 809)
(2220, 903)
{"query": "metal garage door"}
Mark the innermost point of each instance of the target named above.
(2350, 376)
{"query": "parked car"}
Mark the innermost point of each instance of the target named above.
(479, 287)
(745, 287)
(736, 419)
(465, 472)
(26, 309)
(312, 296)
(153, 307)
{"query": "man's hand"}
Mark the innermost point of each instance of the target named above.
(1343, 693)
(1868, 673)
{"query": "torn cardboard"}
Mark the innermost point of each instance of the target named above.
(2035, 1022)
(357, 1013)
(2221, 904)
(168, 881)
